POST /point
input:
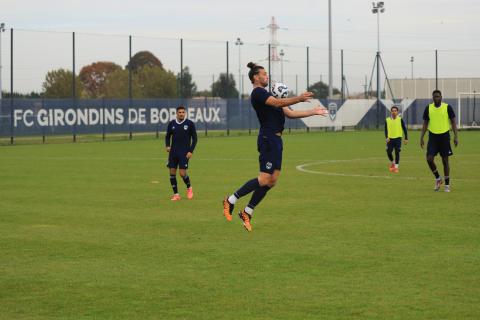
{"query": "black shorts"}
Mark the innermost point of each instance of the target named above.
(439, 143)
(395, 143)
(270, 147)
(177, 159)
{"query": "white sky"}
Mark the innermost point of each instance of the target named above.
(408, 28)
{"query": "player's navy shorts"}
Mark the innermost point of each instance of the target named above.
(394, 144)
(439, 143)
(177, 159)
(270, 147)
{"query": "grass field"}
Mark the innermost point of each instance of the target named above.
(87, 231)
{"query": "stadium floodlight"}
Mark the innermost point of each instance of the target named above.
(282, 53)
(411, 60)
(239, 43)
(2, 29)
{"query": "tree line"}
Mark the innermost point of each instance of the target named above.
(105, 79)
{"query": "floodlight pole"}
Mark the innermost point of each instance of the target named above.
(330, 58)
(2, 29)
(411, 60)
(282, 53)
(239, 43)
(378, 7)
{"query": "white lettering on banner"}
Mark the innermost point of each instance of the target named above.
(42, 118)
(132, 116)
(17, 115)
(142, 119)
(93, 117)
(173, 113)
(119, 118)
(112, 116)
(58, 117)
(216, 116)
(82, 117)
(26, 115)
(70, 117)
(109, 115)
(164, 116)
(199, 117)
(154, 119)
(191, 112)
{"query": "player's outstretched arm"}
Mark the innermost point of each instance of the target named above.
(285, 102)
(295, 114)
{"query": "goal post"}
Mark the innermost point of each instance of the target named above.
(468, 112)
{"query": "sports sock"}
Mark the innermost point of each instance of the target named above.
(248, 187)
(447, 180)
(258, 196)
(396, 165)
(186, 179)
(249, 211)
(232, 199)
(173, 182)
(435, 173)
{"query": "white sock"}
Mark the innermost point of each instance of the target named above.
(232, 199)
(396, 165)
(249, 210)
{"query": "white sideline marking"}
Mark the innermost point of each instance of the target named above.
(302, 167)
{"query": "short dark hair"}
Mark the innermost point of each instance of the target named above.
(436, 91)
(393, 107)
(254, 69)
(180, 108)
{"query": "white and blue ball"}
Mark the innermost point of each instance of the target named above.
(279, 90)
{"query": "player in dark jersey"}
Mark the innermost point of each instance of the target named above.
(437, 118)
(183, 136)
(271, 114)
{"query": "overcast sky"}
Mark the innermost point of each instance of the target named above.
(407, 28)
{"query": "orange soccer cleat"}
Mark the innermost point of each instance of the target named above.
(391, 168)
(190, 193)
(395, 170)
(227, 209)
(175, 197)
(246, 220)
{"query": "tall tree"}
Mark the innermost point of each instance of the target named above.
(93, 77)
(224, 87)
(186, 87)
(147, 82)
(58, 84)
(143, 59)
(320, 90)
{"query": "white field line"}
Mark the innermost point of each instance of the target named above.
(302, 168)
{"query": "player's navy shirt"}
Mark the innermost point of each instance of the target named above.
(272, 119)
(184, 136)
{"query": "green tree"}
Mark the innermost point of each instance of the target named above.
(320, 90)
(186, 87)
(58, 84)
(143, 59)
(224, 87)
(93, 77)
(147, 82)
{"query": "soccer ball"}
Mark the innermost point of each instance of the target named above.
(279, 90)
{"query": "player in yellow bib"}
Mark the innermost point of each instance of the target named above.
(394, 126)
(437, 119)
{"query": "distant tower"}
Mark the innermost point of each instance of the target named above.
(274, 58)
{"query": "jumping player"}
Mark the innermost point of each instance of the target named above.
(271, 114)
(394, 125)
(184, 139)
(437, 118)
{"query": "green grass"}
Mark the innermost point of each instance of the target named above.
(86, 233)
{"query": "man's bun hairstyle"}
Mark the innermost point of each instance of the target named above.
(254, 69)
